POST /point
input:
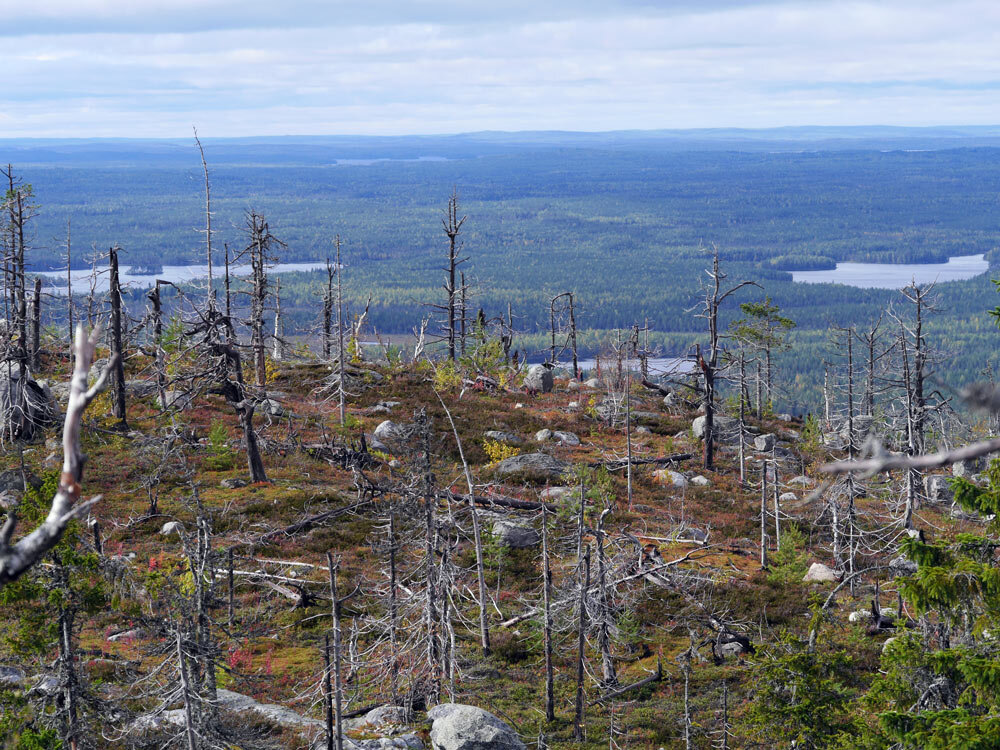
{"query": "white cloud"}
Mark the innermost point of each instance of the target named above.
(583, 65)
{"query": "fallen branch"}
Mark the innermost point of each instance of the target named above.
(499, 501)
(621, 463)
(308, 523)
(929, 461)
(655, 677)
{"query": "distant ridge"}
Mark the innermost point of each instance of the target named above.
(326, 149)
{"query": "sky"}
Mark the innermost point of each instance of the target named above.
(154, 68)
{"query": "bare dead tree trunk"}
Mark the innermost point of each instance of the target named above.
(342, 353)
(337, 684)
(328, 693)
(550, 702)
(279, 333)
(208, 222)
(578, 728)
(609, 676)
(160, 364)
(118, 371)
(431, 613)
(69, 287)
(452, 226)
(763, 514)
(36, 324)
(189, 730)
(328, 312)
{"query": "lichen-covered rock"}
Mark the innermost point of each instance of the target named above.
(700, 481)
(938, 490)
(171, 527)
(668, 476)
(566, 438)
(459, 727)
(540, 464)
(503, 437)
(538, 379)
(542, 435)
(512, 534)
(726, 428)
(820, 573)
(763, 443)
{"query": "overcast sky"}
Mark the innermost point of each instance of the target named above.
(141, 68)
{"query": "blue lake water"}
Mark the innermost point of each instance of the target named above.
(896, 275)
(175, 274)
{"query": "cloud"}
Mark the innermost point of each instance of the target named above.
(154, 68)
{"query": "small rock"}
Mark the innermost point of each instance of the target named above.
(573, 385)
(390, 433)
(801, 481)
(12, 481)
(273, 408)
(643, 431)
(234, 483)
(726, 429)
(888, 642)
(566, 438)
(592, 383)
(11, 677)
(668, 476)
(785, 417)
(542, 435)
(573, 404)
(176, 400)
(902, 566)
(52, 461)
(171, 527)
(787, 497)
(555, 493)
(503, 437)
(53, 444)
(938, 490)
(967, 469)
(395, 464)
(820, 573)
(519, 405)
(764, 443)
(700, 481)
(386, 716)
(669, 400)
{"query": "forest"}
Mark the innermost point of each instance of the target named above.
(379, 505)
(624, 221)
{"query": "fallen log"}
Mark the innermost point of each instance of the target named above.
(308, 523)
(498, 501)
(619, 464)
(655, 677)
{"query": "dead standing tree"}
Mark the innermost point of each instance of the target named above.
(556, 312)
(261, 250)
(452, 308)
(713, 299)
(118, 370)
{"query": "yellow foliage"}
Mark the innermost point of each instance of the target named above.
(497, 451)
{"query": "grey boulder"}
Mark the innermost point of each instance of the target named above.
(533, 463)
(459, 727)
(503, 437)
(764, 443)
(538, 379)
(511, 534)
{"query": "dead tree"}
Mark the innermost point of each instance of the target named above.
(555, 324)
(35, 349)
(16, 558)
(261, 249)
(550, 702)
(69, 288)
(208, 221)
(584, 575)
(118, 369)
(709, 365)
(452, 227)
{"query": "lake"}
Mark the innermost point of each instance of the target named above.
(657, 365)
(175, 274)
(896, 275)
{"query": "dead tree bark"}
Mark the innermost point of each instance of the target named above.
(208, 222)
(452, 226)
(550, 701)
(15, 559)
(578, 728)
(36, 324)
(118, 368)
